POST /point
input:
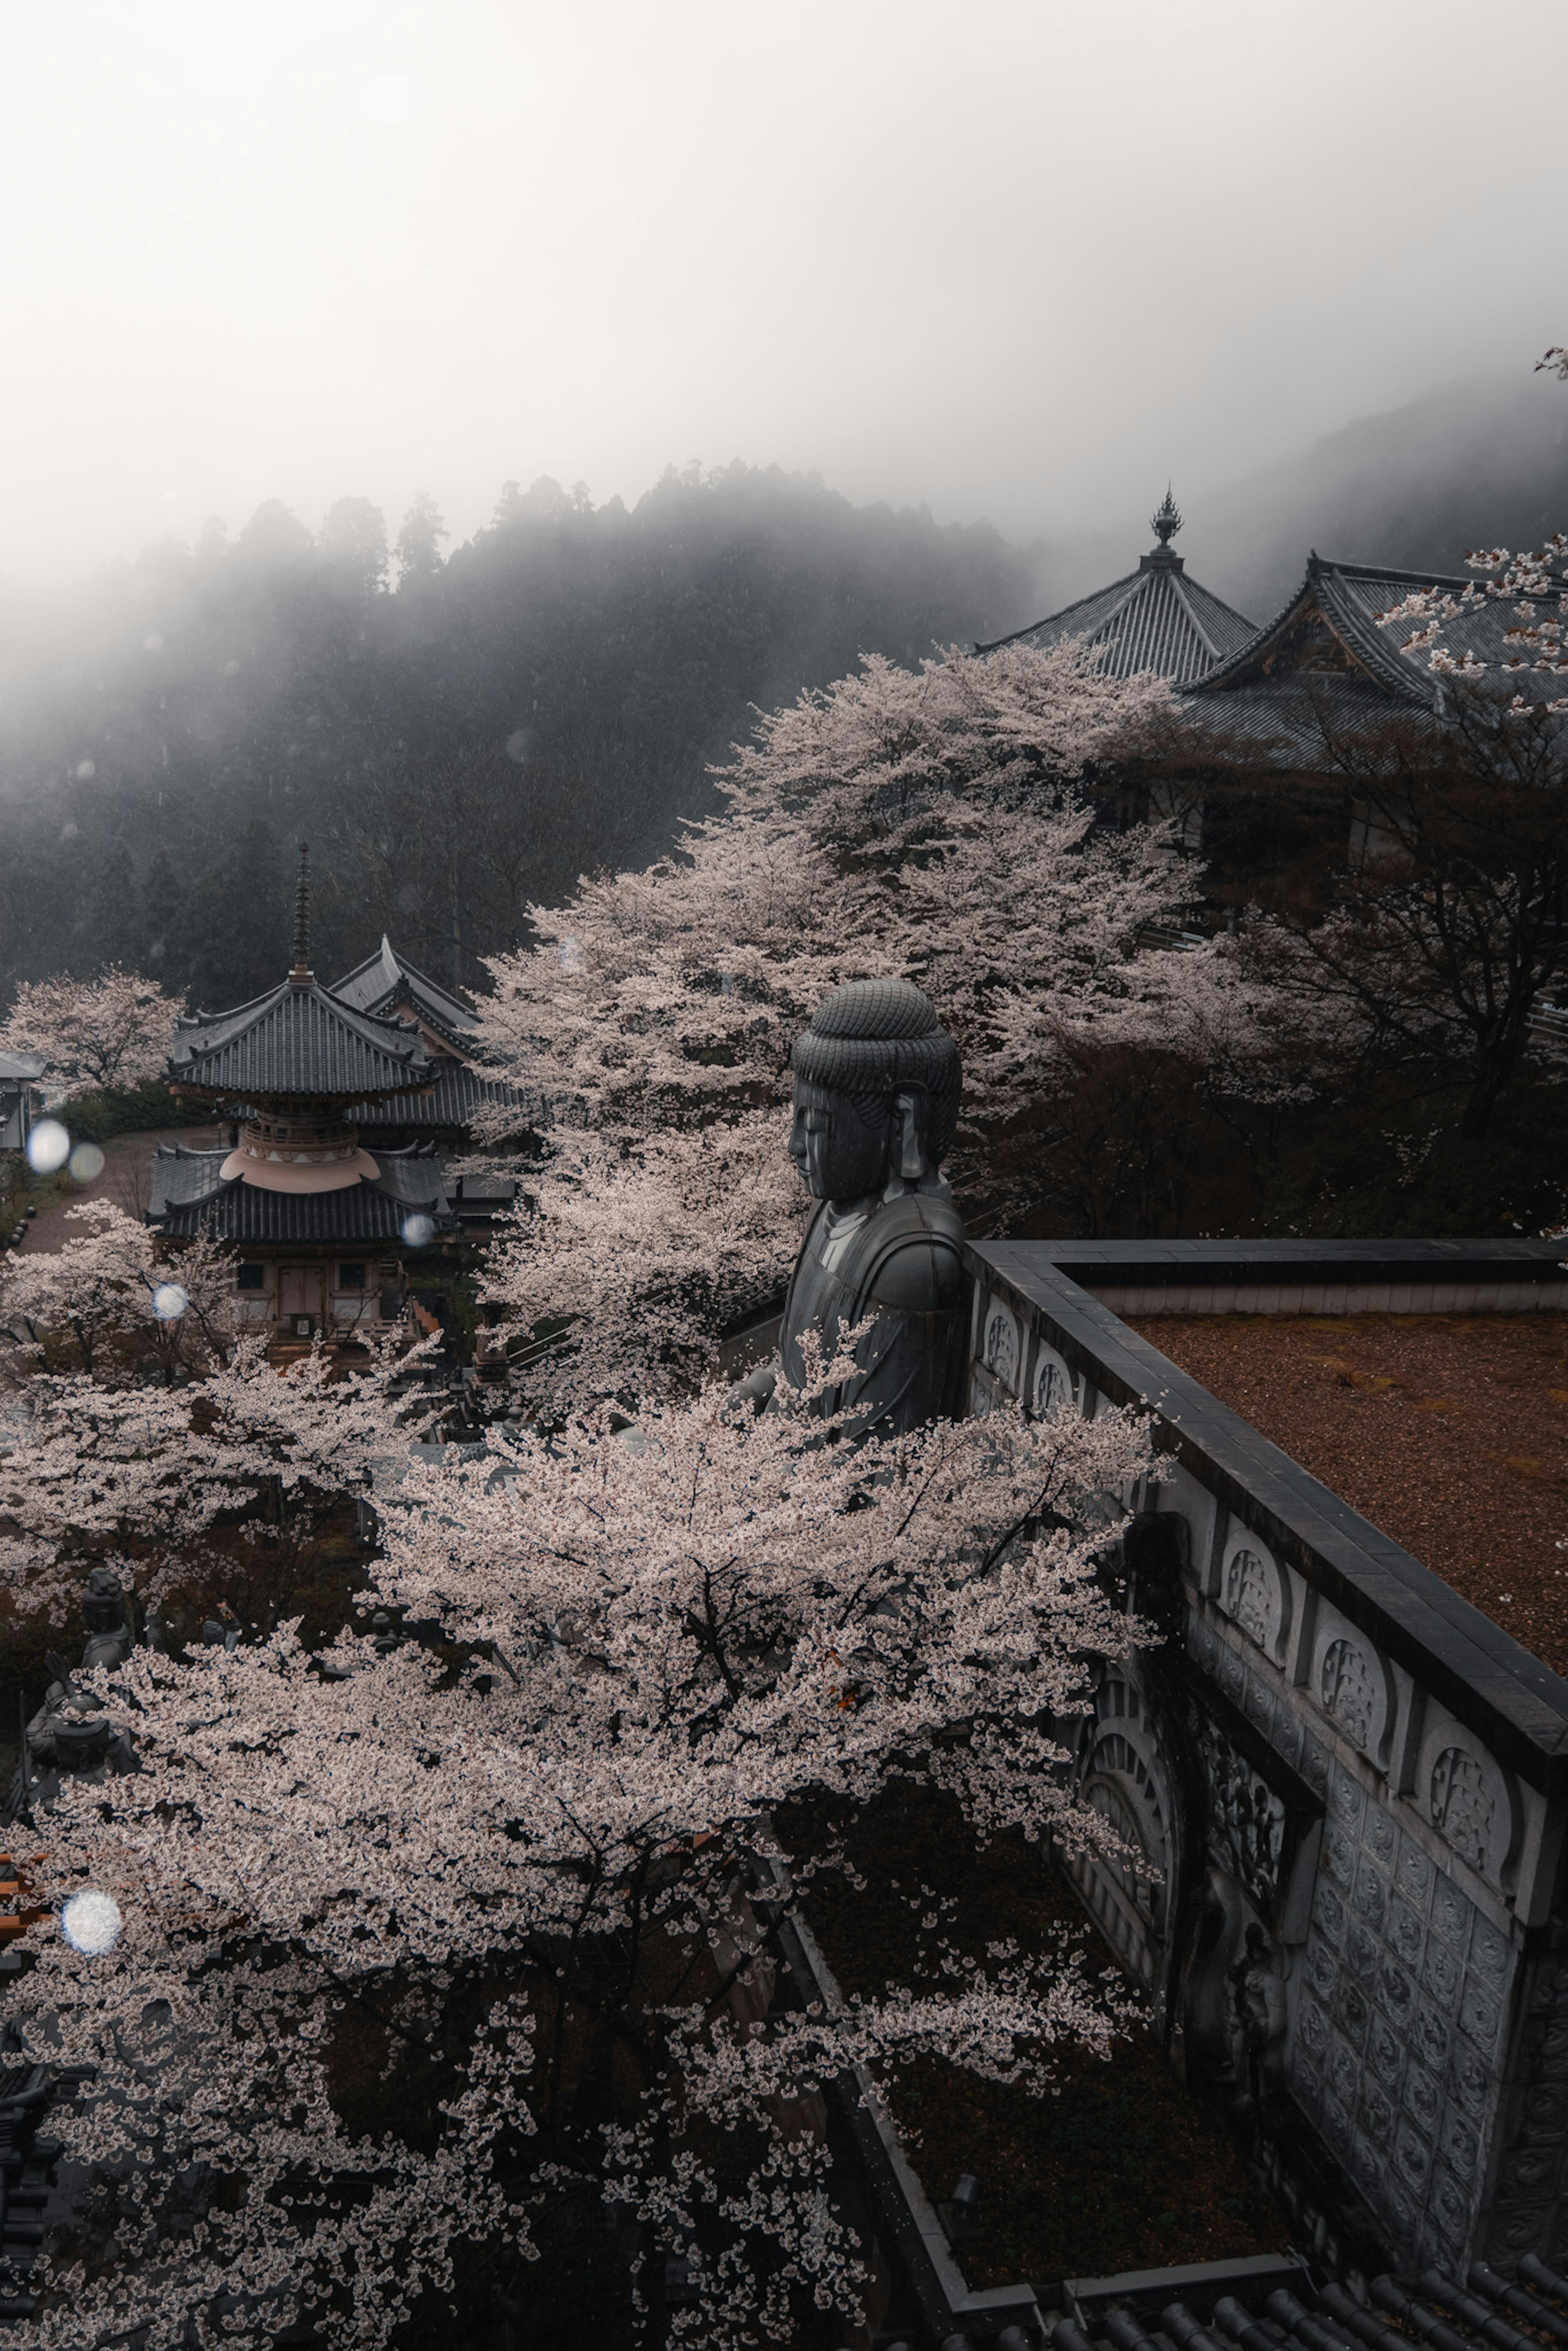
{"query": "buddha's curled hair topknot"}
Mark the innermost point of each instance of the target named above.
(873, 1037)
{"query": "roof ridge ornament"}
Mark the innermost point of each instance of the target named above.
(1166, 518)
(302, 975)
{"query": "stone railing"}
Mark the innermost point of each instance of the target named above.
(1351, 1786)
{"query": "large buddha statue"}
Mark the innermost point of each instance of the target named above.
(877, 1082)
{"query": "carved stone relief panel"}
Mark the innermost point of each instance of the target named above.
(1245, 1819)
(1352, 1682)
(1057, 1387)
(1001, 1349)
(1125, 1778)
(996, 1357)
(1468, 1796)
(1253, 1592)
(1399, 2026)
(1527, 2214)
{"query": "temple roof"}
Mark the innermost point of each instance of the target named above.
(21, 1068)
(1324, 665)
(456, 1095)
(1331, 627)
(190, 1196)
(1155, 618)
(387, 980)
(298, 1039)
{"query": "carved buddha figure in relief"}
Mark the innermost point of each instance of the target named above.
(877, 1082)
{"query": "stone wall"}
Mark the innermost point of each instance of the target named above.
(1350, 1788)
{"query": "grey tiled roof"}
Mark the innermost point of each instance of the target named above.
(1290, 716)
(456, 1093)
(190, 1196)
(1155, 618)
(1351, 596)
(387, 979)
(299, 1039)
(22, 1067)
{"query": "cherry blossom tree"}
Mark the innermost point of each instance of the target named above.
(212, 1489)
(116, 1290)
(113, 1031)
(622, 1265)
(1128, 1094)
(416, 1958)
(934, 824)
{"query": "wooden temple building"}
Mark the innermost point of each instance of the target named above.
(1280, 703)
(332, 1187)
(1324, 664)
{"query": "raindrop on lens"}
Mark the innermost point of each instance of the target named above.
(92, 1922)
(85, 768)
(87, 1161)
(518, 745)
(48, 1147)
(571, 955)
(419, 1232)
(169, 1302)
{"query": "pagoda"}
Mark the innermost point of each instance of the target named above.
(1154, 619)
(387, 986)
(322, 1226)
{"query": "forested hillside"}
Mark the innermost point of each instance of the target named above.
(544, 700)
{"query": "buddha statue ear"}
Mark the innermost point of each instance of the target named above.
(910, 1112)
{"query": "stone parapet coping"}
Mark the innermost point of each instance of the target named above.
(1484, 1677)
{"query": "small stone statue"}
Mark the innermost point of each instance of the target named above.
(877, 1083)
(68, 1733)
(111, 1638)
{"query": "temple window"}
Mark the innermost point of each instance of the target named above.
(252, 1277)
(350, 1277)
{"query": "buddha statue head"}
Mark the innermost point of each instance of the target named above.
(877, 1080)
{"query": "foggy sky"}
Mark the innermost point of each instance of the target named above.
(1016, 258)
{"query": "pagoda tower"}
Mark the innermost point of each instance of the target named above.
(321, 1226)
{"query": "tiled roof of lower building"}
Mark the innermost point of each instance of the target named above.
(191, 1196)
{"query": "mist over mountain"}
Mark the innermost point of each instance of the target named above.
(547, 698)
(1474, 463)
(545, 701)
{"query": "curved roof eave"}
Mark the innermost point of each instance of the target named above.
(1383, 663)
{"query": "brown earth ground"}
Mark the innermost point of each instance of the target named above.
(1448, 1431)
(1123, 2169)
(125, 1179)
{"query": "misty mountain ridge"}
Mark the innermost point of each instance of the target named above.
(1481, 462)
(546, 699)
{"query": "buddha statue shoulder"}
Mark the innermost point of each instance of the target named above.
(877, 1082)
